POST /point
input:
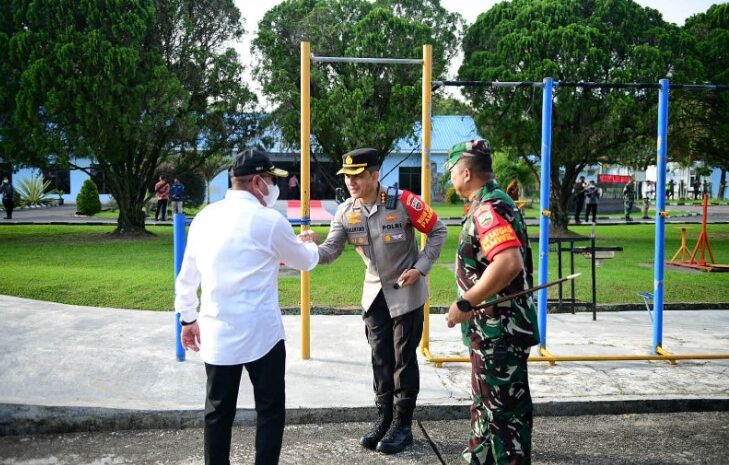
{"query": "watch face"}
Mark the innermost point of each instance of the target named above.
(463, 305)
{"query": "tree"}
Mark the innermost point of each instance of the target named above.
(572, 40)
(353, 105)
(211, 167)
(509, 167)
(129, 84)
(444, 105)
(710, 110)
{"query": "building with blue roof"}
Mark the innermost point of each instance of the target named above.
(401, 166)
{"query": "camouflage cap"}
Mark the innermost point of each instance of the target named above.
(471, 148)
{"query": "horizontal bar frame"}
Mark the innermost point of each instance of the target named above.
(383, 61)
(581, 84)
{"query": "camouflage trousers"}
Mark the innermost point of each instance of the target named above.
(628, 207)
(501, 413)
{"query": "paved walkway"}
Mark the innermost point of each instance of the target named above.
(66, 368)
(67, 214)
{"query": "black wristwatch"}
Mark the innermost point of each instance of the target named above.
(463, 305)
(186, 323)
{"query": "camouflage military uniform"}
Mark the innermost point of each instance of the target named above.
(628, 199)
(501, 414)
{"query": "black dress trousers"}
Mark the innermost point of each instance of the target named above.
(394, 343)
(267, 376)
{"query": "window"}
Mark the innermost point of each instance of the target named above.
(409, 178)
(99, 179)
(60, 179)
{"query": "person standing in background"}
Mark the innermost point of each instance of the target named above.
(697, 187)
(293, 187)
(592, 198)
(578, 192)
(162, 192)
(628, 198)
(649, 193)
(177, 194)
(8, 193)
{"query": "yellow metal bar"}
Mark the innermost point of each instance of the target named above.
(439, 361)
(425, 172)
(660, 350)
(305, 189)
(547, 354)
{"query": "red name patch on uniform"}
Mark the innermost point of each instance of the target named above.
(421, 215)
(494, 232)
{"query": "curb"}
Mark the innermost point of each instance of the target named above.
(552, 307)
(20, 419)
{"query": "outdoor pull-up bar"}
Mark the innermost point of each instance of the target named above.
(580, 84)
(547, 86)
(382, 61)
(306, 59)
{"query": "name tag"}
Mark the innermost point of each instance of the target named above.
(358, 239)
(392, 238)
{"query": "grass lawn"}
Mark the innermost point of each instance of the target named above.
(85, 265)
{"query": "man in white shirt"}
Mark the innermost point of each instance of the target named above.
(233, 252)
(649, 193)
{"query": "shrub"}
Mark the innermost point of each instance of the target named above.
(87, 201)
(32, 192)
(451, 198)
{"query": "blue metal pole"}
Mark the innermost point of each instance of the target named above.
(179, 250)
(544, 206)
(660, 208)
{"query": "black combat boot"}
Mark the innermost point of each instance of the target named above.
(399, 435)
(384, 418)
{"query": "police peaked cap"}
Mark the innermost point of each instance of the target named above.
(358, 160)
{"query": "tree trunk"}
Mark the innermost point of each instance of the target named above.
(559, 198)
(131, 215)
(560, 214)
(128, 185)
(722, 183)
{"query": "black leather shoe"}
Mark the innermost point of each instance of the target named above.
(384, 419)
(399, 436)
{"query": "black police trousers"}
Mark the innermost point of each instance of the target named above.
(267, 377)
(9, 204)
(394, 343)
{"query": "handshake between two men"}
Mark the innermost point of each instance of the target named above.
(407, 278)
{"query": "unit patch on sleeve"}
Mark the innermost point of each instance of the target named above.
(421, 215)
(495, 234)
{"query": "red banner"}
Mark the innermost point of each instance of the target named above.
(613, 179)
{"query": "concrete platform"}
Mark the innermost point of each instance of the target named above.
(71, 368)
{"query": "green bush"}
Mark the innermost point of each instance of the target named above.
(451, 198)
(87, 201)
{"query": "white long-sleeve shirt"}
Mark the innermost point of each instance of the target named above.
(233, 252)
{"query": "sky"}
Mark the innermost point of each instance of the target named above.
(674, 11)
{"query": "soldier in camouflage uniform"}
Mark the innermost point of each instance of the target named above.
(493, 260)
(628, 198)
